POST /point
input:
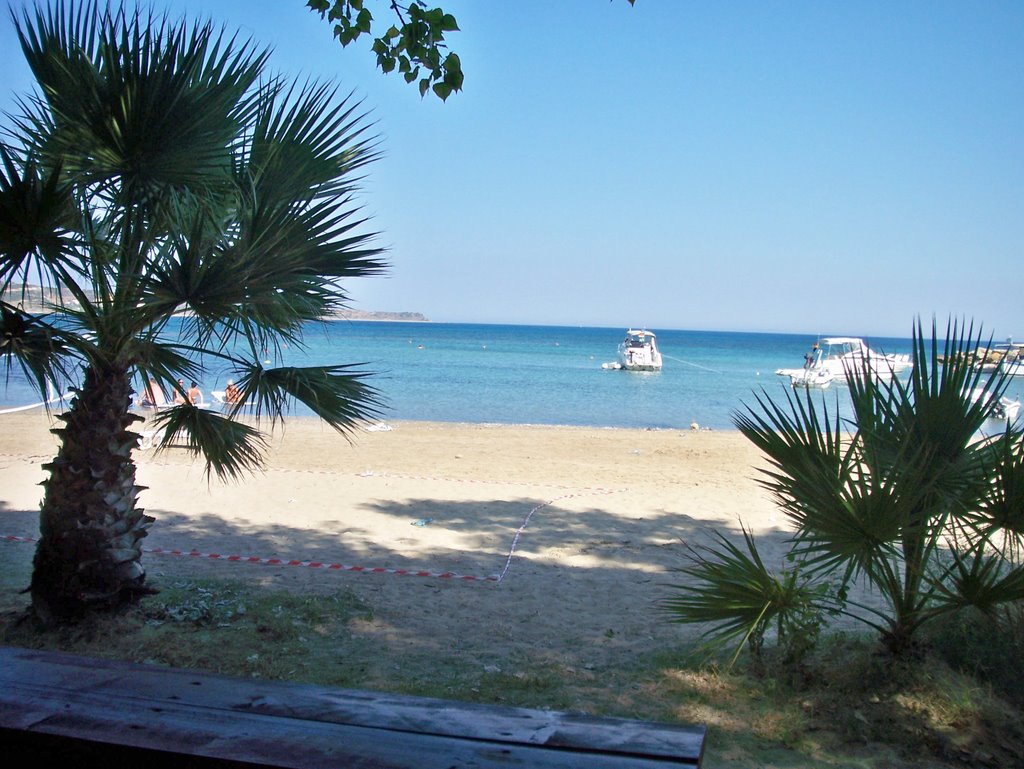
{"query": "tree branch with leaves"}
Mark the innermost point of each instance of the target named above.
(415, 46)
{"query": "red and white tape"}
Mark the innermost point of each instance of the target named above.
(365, 569)
(320, 565)
(291, 562)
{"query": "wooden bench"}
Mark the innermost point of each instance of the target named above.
(56, 706)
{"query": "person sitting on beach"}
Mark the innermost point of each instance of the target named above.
(153, 396)
(195, 395)
(231, 393)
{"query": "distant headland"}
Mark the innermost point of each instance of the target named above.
(35, 299)
(403, 317)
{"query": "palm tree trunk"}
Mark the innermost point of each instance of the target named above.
(907, 603)
(89, 550)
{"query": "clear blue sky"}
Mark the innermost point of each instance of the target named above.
(832, 168)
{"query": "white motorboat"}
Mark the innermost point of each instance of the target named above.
(839, 354)
(638, 352)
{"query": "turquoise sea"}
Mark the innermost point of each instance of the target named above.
(463, 372)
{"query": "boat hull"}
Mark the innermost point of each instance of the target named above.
(818, 379)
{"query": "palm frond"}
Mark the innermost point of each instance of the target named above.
(37, 219)
(308, 128)
(337, 394)
(296, 231)
(815, 480)
(35, 346)
(297, 219)
(999, 518)
(162, 361)
(734, 592)
(978, 579)
(231, 448)
(806, 450)
(141, 103)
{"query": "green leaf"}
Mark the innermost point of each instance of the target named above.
(453, 63)
(363, 20)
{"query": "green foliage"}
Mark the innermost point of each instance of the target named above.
(733, 591)
(233, 447)
(909, 501)
(416, 47)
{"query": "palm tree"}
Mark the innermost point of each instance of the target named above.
(158, 170)
(905, 498)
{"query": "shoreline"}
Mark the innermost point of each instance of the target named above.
(9, 409)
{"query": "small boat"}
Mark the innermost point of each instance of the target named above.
(839, 354)
(638, 352)
(1002, 412)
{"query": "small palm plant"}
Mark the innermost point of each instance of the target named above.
(906, 500)
(731, 589)
(159, 171)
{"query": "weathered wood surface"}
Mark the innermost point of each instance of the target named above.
(266, 723)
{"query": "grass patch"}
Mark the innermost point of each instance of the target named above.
(983, 645)
(225, 627)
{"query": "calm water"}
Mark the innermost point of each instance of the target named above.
(553, 375)
(458, 372)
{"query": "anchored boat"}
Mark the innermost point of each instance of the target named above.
(638, 352)
(837, 355)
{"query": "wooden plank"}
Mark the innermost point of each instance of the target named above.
(204, 714)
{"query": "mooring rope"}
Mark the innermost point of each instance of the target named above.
(695, 365)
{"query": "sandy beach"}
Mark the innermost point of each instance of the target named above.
(528, 542)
